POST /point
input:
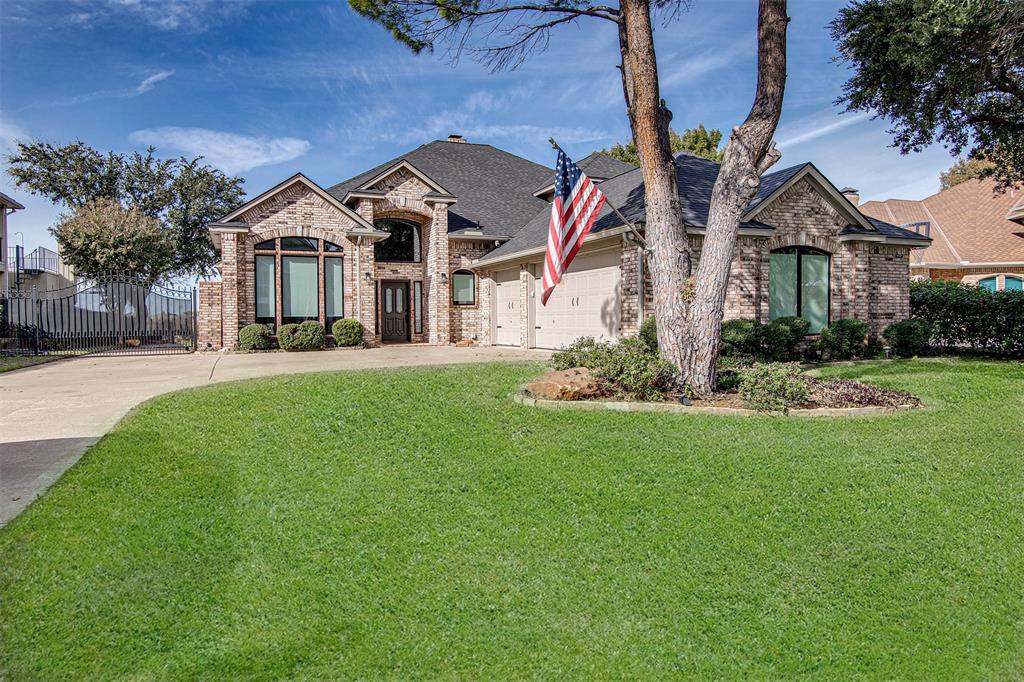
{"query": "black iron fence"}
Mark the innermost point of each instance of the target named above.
(109, 315)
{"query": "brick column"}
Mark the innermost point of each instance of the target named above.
(229, 288)
(208, 314)
(486, 289)
(437, 277)
(367, 313)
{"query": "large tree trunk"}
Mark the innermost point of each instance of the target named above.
(748, 154)
(668, 255)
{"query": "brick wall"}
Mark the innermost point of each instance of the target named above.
(208, 317)
(889, 292)
(466, 321)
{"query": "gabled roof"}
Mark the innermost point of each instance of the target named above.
(494, 188)
(7, 202)
(403, 164)
(695, 178)
(597, 166)
(969, 223)
(229, 220)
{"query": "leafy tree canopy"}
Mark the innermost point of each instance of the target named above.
(963, 170)
(699, 141)
(183, 195)
(102, 237)
(940, 70)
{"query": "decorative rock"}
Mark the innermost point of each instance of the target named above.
(578, 383)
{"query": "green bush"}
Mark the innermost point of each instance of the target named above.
(347, 332)
(908, 338)
(843, 339)
(965, 316)
(780, 339)
(308, 335)
(728, 370)
(740, 337)
(649, 333)
(255, 337)
(627, 368)
(773, 387)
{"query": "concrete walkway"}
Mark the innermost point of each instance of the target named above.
(52, 413)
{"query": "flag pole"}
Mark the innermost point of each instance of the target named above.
(627, 223)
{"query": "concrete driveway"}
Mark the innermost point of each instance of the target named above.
(52, 413)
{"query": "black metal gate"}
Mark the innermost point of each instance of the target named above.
(110, 315)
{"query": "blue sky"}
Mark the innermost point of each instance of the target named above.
(264, 89)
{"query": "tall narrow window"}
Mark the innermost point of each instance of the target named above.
(299, 288)
(266, 289)
(799, 286)
(334, 307)
(417, 307)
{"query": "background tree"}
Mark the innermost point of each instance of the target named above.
(183, 195)
(963, 170)
(102, 237)
(941, 70)
(508, 33)
(699, 141)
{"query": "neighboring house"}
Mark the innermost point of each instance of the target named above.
(41, 269)
(977, 234)
(445, 243)
(7, 206)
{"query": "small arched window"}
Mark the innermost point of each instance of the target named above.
(403, 246)
(989, 283)
(463, 288)
(1014, 284)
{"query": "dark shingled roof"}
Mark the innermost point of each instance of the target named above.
(695, 176)
(597, 166)
(494, 188)
(886, 229)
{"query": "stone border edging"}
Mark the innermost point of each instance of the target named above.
(674, 408)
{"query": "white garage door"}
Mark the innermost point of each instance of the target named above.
(585, 303)
(507, 307)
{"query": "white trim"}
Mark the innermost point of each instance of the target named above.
(878, 238)
(432, 184)
(315, 188)
(841, 203)
(967, 264)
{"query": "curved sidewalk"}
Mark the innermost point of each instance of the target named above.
(50, 414)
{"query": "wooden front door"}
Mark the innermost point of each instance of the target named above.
(394, 307)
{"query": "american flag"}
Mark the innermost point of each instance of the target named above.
(573, 210)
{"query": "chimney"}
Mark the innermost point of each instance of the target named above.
(852, 195)
(454, 137)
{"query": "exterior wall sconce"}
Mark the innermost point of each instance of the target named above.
(367, 277)
(444, 278)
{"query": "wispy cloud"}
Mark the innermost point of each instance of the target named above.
(821, 130)
(142, 87)
(10, 133)
(192, 16)
(688, 70)
(231, 152)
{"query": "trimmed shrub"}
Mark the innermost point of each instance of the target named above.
(255, 337)
(728, 370)
(781, 338)
(741, 337)
(908, 338)
(627, 368)
(843, 339)
(347, 332)
(649, 333)
(308, 335)
(965, 316)
(773, 387)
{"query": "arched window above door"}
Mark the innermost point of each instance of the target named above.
(403, 246)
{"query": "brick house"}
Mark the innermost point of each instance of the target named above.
(977, 233)
(445, 244)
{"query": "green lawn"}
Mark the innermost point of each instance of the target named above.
(417, 524)
(11, 362)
